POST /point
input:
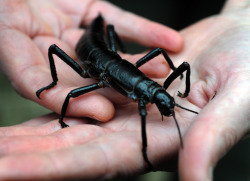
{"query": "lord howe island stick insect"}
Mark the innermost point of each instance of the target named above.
(102, 62)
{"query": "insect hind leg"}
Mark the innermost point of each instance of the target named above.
(54, 49)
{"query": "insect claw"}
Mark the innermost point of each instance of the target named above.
(45, 88)
(181, 95)
(215, 92)
(38, 93)
(149, 164)
(63, 124)
(181, 76)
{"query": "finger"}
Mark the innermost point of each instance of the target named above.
(49, 120)
(43, 125)
(90, 161)
(20, 61)
(47, 138)
(218, 127)
(39, 121)
(31, 128)
(136, 28)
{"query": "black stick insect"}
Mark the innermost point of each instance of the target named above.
(102, 62)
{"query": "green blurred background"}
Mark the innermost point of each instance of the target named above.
(177, 14)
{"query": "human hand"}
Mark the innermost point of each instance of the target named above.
(218, 48)
(90, 150)
(219, 59)
(28, 28)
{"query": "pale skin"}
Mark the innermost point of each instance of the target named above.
(220, 62)
(217, 49)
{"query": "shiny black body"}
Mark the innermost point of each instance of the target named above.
(101, 61)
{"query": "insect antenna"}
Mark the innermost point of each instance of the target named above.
(186, 109)
(177, 125)
(178, 128)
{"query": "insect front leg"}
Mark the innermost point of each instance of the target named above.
(152, 54)
(75, 93)
(114, 38)
(143, 114)
(178, 72)
(54, 49)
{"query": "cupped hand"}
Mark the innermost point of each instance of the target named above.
(218, 48)
(28, 28)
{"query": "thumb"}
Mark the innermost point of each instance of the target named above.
(218, 127)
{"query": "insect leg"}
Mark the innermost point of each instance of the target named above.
(75, 93)
(178, 72)
(54, 49)
(114, 38)
(143, 114)
(152, 54)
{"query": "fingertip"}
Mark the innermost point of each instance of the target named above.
(93, 106)
(174, 41)
(158, 35)
(170, 39)
(106, 111)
